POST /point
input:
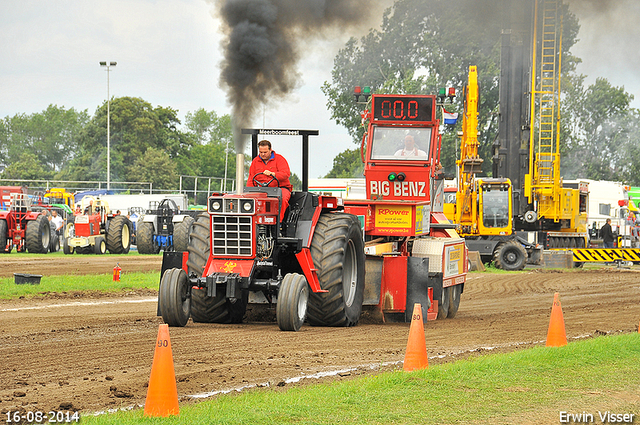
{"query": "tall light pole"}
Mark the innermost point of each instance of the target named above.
(108, 66)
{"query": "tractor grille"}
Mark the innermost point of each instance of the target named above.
(232, 235)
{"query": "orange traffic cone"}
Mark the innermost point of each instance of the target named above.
(556, 336)
(416, 354)
(162, 394)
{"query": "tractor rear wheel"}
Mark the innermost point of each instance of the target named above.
(38, 235)
(293, 297)
(119, 235)
(510, 256)
(173, 298)
(4, 231)
(206, 309)
(337, 250)
(144, 238)
(181, 234)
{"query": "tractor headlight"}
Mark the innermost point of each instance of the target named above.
(215, 205)
(247, 206)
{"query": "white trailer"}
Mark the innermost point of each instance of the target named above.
(141, 202)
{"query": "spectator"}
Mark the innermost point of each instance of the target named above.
(57, 222)
(607, 234)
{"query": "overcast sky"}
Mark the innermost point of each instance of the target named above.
(168, 53)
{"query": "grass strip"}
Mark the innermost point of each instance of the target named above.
(534, 384)
(73, 283)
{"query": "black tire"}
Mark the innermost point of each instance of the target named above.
(443, 303)
(66, 248)
(38, 235)
(173, 298)
(144, 238)
(293, 298)
(54, 245)
(206, 309)
(337, 250)
(454, 300)
(510, 256)
(4, 231)
(119, 235)
(100, 247)
(181, 234)
(84, 249)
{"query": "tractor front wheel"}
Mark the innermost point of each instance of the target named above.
(217, 309)
(38, 235)
(100, 247)
(66, 248)
(174, 298)
(337, 250)
(293, 297)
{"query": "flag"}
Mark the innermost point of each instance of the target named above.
(449, 118)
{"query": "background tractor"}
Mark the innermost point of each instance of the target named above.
(24, 228)
(164, 227)
(97, 230)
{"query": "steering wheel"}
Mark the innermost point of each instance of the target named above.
(267, 183)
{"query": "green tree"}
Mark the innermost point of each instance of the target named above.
(145, 169)
(598, 129)
(135, 127)
(51, 136)
(347, 164)
(214, 155)
(27, 167)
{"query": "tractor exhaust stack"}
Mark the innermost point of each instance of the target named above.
(240, 173)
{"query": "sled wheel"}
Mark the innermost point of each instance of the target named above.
(454, 300)
(443, 303)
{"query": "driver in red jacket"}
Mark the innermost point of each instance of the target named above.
(271, 169)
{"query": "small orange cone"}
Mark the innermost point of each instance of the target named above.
(162, 394)
(416, 355)
(556, 336)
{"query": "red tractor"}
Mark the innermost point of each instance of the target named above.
(312, 265)
(24, 228)
(96, 230)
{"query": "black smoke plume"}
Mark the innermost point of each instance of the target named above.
(262, 44)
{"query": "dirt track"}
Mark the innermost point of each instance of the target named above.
(92, 354)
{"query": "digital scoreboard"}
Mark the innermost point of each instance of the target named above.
(407, 109)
